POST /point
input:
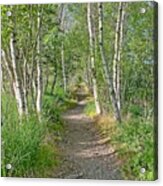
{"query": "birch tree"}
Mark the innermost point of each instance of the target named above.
(92, 57)
(61, 30)
(105, 66)
(63, 68)
(117, 53)
(25, 86)
(39, 67)
(5, 62)
(16, 78)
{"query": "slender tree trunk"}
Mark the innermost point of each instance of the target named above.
(39, 68)
(105, 66)
(3, 88)
(33, 71)
(16, 82)
(25, 88)
(63, 68)
(117, 53)
(32, 82)
(116, 43)
(92, 57)
(8, 69)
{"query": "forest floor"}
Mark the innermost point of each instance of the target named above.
(85, 154)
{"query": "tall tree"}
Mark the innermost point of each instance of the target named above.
(105, 65)
(92, 57)
(61, 29)
(39, 66)
(63, 67)
(16, 78)
(117, 53)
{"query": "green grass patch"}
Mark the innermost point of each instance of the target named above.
(27, 144)
(90, 109)
(20, 145)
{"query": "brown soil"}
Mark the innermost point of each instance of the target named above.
(85, 154)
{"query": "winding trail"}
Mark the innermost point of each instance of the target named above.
(85, 154)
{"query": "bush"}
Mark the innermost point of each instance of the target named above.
(50, 109)
(137, 147)
(136, 110)
(57, 103)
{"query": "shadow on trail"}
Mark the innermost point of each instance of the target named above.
(85, 154)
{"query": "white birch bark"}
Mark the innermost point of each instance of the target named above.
(63, 68)
(116, 43)
(3, 55)
(16, 82)
(117, 53)
(25, 86)
(39, 68)
(105, 66)
(92, 57)
(7, 67)
(32, 82)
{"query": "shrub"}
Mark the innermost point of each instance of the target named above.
(136, 110)
(137, 147)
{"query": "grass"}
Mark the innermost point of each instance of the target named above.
(133, 141)
(60, 101)
(28, 145)
(90, 109)
(20, 146)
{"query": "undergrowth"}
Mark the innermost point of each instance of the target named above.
(90, 109)
(134, 142)
(27, 144)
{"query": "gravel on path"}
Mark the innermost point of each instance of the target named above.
(85, 154)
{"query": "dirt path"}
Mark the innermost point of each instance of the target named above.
(86, 155)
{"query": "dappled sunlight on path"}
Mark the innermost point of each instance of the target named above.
(85, 154)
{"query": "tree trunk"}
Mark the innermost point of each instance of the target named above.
(92, 57)
(63, 68)
(6, 63)
(39, 68)
(25, 88)
(105, 66)
(8, 69)
(32, 82)
(16, 81)
(117, 53)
